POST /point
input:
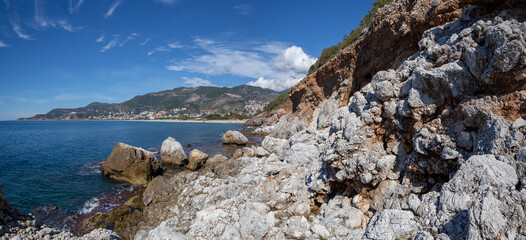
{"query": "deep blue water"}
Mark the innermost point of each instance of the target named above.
(56, 163)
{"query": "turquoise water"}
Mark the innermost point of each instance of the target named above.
(57, 163)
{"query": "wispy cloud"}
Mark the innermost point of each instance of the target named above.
(168, 47)
(74, 7)
(195, 82)
(18, 30)
(67, 26)
(116, 42)
(242, 9)
(2, 44)
(110, 44)
(6, 4)
(167, 2)
(130, 37)
(100, 39)
(40, 20)
(112, 8)
(61, 97)
(271, 65)
(145, 41)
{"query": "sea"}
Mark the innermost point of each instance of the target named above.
(56, 163)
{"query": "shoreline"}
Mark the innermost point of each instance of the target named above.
(139, 120)
(188, 121)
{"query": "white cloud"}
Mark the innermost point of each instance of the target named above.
(18, 30)
(40, 20)
(74, 7)
(2, 44)
(275, 84)
(242, 9)
(67, 26)
(100, 39)
(175, 45)
(110, 44)
(116, 42)
(167, 48)
(112, 8)
(6, 3)
(271, 65)
(145, 41)
(293, 59)
(130, 37)
(167, 2)
(195, 82)
(62, 97)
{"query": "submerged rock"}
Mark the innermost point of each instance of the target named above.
(172, 152)
(234, 137)
(131, 164)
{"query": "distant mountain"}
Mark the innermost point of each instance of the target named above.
(178, 102)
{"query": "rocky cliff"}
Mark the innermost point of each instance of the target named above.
(393, 36)
(431, 147)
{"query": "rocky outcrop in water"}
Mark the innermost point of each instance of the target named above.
(172, 152)
(196, 159)
(131, 164)
(431, 149)
(234, 137)
(15, 224)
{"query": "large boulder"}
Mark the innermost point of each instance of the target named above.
(196, 159)
(234, 137)
(131, 164)
(172, 152)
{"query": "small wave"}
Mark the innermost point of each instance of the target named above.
(91, 168)
(155, 151)
(89, 206)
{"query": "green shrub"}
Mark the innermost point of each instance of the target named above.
(328, 53)
(278, 102)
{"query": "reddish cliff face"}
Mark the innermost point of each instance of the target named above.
(392, 38)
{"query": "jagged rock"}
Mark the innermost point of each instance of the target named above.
(266, 130)
(327, 109)
(155, 188)
(485, 219)
(519, 123)
(161, 232)
(196, 159)
(234, 137)
(390, 224)
(480, 170)
(131, 164)
(172, 152)
(275, 145)
(521, 163)
(215, 159)
(287, 126)
(100, 234)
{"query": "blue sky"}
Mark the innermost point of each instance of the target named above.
(69, 53)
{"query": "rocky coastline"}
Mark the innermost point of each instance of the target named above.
(431, 147)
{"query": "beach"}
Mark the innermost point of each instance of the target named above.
(188, 121)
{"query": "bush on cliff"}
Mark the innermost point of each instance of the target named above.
(278, 102)
(328, 53)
